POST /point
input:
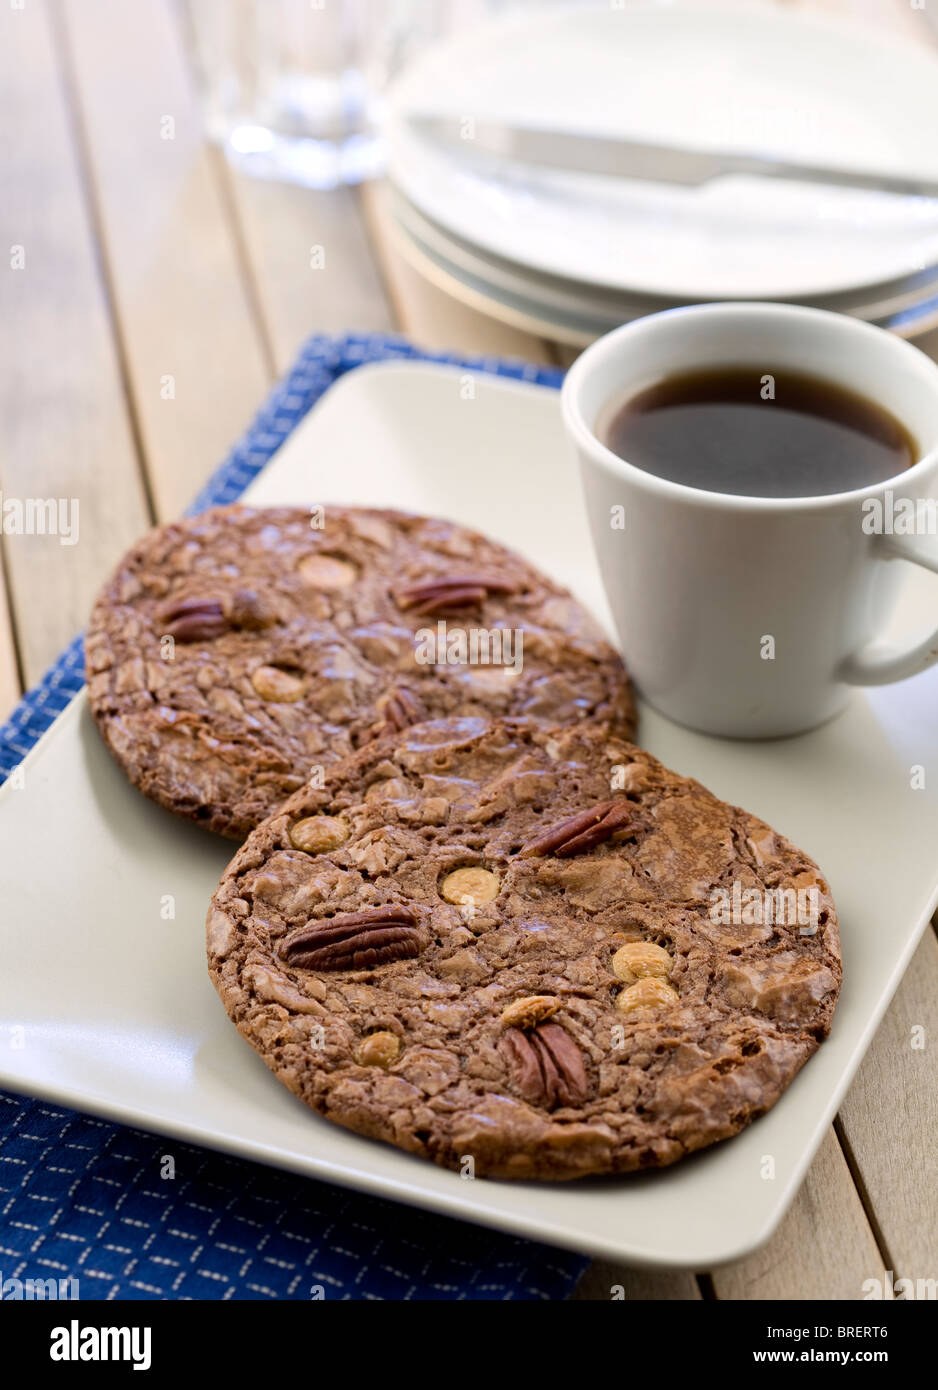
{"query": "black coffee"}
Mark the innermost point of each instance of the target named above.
(760, 433)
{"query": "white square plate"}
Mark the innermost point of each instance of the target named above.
(105, 1004)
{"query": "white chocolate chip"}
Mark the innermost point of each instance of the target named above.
(316, 834)
(639, 960)
(646, 994)
(326, 572)
(528, 1012)
(279, 686)
(378, 1050)
(470, 887)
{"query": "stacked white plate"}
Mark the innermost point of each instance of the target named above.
(573, 255)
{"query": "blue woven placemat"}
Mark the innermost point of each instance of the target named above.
(84, 1198)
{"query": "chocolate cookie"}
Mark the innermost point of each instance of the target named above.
(538, 951)
(233, 656)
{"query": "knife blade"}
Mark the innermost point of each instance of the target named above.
(617, 157)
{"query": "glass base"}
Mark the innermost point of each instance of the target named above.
(267, 154)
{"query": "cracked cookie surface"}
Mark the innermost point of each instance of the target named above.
(231, 653)
(538, 949)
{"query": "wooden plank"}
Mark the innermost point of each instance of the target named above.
(606, 1281)
(312, 263)
(195, 360)
(9, 674)
(434, 318)
(889, 1121)
(824, 1248)
(566, 356)
(64, 426)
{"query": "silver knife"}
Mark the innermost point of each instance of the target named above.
(635, 159)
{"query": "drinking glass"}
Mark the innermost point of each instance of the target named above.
(293, 89)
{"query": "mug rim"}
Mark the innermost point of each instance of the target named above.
(602, 348)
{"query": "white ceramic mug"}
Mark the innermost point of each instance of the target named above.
(753, 616)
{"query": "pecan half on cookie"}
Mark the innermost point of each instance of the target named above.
(545, 1065)
(355, 941)
(450, 593)
(195, 619)
(582, 832)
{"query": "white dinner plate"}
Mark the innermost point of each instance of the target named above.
(872, 303)
(807, 87)
(105, 1003)
(563, 314)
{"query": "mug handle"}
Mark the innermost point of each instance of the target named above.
(878, 663)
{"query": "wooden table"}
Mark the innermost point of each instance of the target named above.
(157, 296)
